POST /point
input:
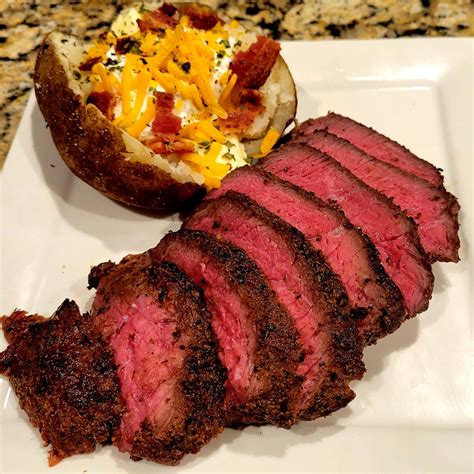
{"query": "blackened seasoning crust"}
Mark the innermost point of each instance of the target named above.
(258, 342)
(171, 379)
(374, 144)
(64, 377)
(304, 285)
(349, 253)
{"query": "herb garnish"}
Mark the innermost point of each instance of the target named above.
(143, 9)
(229, 156)
(206, 145)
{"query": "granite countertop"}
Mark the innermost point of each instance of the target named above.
(24, 23)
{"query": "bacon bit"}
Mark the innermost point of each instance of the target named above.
(166, 123)
(201, 17)
(168, 9)
(164, 101)
(250, 97)
(88, 64)
(246, 105)
(104, 101)
(159, 19)
(125, 45)
(165, 145)
(240, 119)
(255, 65)
(237, 121)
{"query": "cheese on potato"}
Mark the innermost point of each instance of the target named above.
(194, 66)
(161, 108)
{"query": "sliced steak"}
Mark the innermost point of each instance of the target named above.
(374, 144)
(391, 231)
(349, 253)
(155, 320)
(305, 286)
(432, 208)
(64, 377)
(257, 341)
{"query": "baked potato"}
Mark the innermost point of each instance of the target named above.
(165, 104)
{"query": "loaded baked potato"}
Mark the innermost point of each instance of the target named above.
(165, 104)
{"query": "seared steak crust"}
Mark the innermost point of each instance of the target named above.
(195, 414)
(64, 377)
(432, 208)
(274, 385)
(375, 144)
(349, 253)
(342, 359)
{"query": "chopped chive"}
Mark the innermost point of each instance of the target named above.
(229, 156)
(135, 49)
(251, 161)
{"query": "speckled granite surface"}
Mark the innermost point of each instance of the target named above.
(24, 23)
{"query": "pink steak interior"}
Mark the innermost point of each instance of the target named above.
(147, 359)
(228, 319)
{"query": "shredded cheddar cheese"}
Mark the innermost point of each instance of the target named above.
(138, 127)
(268, 143)
(191, 64)
(127, 79)
(96, 83)
(140, 95)
(101, 71)
(227, 90)
(206, 127)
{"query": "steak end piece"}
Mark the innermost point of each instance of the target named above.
(257, 340)
(157, 325)
(64, 377)
(349, 253)
(303, 284)
(375, 144)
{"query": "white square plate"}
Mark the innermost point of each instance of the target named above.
(413, 410)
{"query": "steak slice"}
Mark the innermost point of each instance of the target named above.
(257, 340)
(393, 234)
(375, 144)
(349, 253)
(305, 286)
(432, 208)
(155, 320)
(64, 377)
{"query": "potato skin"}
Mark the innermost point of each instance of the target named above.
(93, 148)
